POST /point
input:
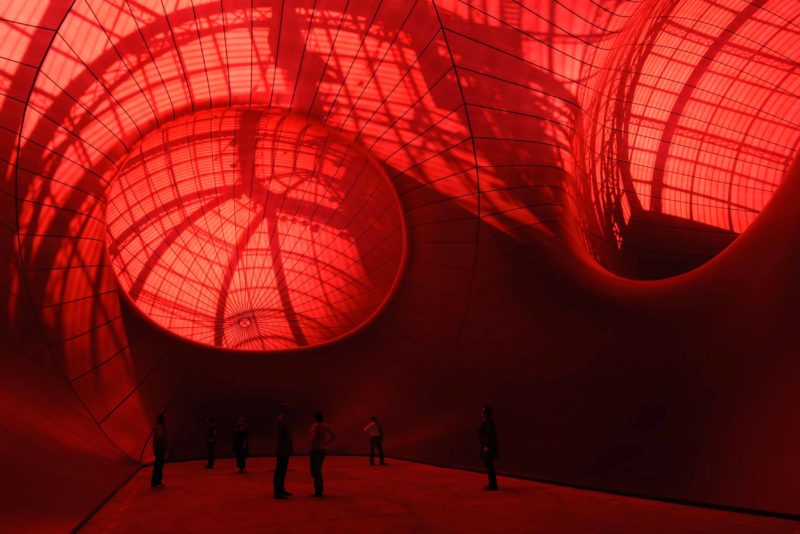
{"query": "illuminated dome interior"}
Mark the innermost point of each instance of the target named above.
(255, 231)
(689, 128)
(583, 212)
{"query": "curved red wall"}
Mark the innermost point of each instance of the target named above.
(519, 137)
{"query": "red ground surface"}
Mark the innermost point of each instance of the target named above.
(402, 497)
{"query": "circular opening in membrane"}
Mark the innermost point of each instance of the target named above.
(251, 230)
(686, 132)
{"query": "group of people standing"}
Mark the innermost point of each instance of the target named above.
(320, 437)
(241, 436)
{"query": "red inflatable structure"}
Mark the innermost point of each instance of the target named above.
(580, 211)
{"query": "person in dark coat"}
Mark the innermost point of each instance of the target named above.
(211, 441)
(488, 438)
(321, 436)
(159, 451)
(241, 444)
(375, 432)
(283, 450)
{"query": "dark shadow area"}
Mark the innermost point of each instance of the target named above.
(682, 245)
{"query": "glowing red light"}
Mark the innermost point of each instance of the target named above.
(252, 230)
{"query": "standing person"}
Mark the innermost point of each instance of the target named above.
(321, 436)
(488, 438)
(240, 444)
(375, 432)
(283, 450)
(211, 441)
(159, 451)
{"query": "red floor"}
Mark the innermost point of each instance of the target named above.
(402, 497)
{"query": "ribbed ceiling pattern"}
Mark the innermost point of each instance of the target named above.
(257, 231)
(494, 122)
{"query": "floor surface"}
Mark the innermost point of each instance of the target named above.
(401, 497)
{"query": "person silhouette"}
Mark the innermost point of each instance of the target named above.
(159, 451)
(240, 444)
(283, 450)
(211, 441)
(321, 436)
(487, 433)
(375, 432)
